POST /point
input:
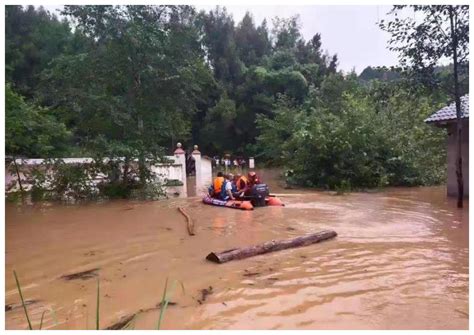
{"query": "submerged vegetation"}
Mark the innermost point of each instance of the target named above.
(131, 81)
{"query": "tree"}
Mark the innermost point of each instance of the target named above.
(31, 131)
(219, 40)
(442, 32)
(33, 37)
(138, 84)
(252, 43)
(286, 32)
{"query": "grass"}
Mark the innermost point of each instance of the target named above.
(22, 301)
(165, 299)
(97, 321)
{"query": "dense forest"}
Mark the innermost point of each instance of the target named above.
(132, 81)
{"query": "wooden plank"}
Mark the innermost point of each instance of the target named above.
(240, 253)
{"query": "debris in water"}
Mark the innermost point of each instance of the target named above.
(9, 307)
(250, 274)
(290, 229)
(122, 323)
(204, 293)
(272, 278)
(90, 253)
(462, 312)
(224, 303)
(189, 221)
(170, 303)
(81, 275)
(270, 246)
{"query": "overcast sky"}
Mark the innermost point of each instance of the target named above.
(349, 31)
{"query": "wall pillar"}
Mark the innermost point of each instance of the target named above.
(180, 158)
(251, 163)
(197, 163)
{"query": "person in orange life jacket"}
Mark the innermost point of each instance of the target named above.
(216, 187)
(241, 183)
(248, 182)
(253, 178)
(236, 191)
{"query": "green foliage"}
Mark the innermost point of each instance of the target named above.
(358, 145)
(128, 82)
(379, 73)
(30, 130)
(219, 123)
(33, 38)
(422, 42)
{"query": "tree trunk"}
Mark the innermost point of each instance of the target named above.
(240, 253)
(457, 98)
(18, 176)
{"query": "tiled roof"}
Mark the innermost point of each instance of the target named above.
(449, 112)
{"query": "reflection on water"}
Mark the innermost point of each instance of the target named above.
(400, 261)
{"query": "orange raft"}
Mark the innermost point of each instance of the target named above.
(241, 204)
(273, 201)
(237, 204)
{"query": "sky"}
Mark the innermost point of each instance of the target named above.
(350, 32)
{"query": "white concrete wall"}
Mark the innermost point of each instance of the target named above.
(175, 170)
(172, 171)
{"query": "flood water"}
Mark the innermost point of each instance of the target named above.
(400, 261)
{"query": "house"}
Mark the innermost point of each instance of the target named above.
(446, 118)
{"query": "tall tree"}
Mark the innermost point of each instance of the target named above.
(286, 32)
(138, 85)
(252, 43)
(219, 41)
(442, 31)
(33, 37)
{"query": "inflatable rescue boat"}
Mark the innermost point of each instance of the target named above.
(260, 197)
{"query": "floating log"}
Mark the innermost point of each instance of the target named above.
(240, 253)
(190, 223)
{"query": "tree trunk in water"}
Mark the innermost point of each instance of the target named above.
(459, 176)
(18, 176)
(240, 253)
(141, 158)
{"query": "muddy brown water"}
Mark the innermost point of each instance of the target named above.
(400, 261)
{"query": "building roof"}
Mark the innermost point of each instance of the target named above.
(448, 113)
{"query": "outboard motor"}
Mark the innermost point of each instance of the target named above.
(259, 193)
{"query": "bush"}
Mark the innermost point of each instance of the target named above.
(361, 145)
